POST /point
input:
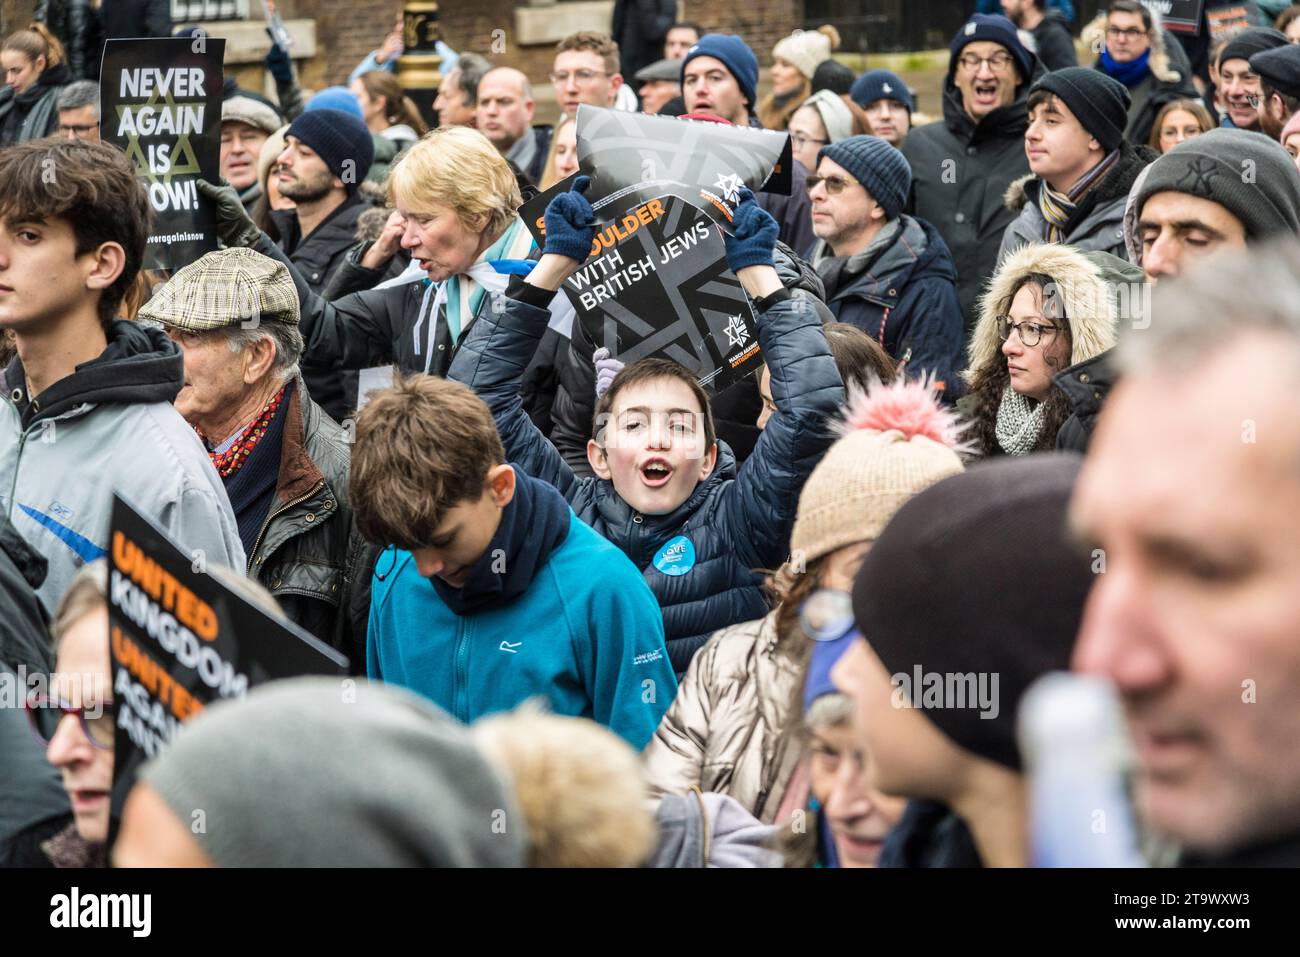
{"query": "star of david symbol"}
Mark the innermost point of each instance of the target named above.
(737, 335)
(730, 184)
(1204, 171)
(183, 157)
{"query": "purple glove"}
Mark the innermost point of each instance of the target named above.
(570, 223)
(606, 369)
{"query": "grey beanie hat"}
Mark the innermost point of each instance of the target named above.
(313, 772)
(1248, 174)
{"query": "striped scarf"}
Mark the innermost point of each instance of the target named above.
(464, 295)
(1057, 207)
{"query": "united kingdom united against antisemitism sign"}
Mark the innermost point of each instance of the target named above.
(161, 104)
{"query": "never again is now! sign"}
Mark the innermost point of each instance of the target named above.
(161, 104)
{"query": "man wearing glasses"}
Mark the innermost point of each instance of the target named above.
(885, 272)
(586, 71)
(962, 167)
(1149, 62)
(78, 106)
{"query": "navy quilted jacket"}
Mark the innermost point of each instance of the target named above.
(738, 522)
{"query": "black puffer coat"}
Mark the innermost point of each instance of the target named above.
(319, 256)
(960, 173)
(737, 521)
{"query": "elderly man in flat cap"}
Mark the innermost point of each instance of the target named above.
(283, 461)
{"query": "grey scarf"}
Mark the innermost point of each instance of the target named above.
(1020, 419)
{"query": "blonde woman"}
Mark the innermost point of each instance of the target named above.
(794, 61)
(563, 158)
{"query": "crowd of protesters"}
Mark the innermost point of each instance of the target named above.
(1023, 408)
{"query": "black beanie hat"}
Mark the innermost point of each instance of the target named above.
(338, 138)
(977, 575)
(1250, 41)
(1098, 102)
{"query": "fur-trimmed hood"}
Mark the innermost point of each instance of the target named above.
(1084, 283)
(1116, 183)
(1093, 36)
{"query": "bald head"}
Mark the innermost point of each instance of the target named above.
(505, 107)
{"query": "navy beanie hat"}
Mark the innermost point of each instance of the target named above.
(735, 54)
(996, 29)
(881, 85)
(875, 164)
(338, 138)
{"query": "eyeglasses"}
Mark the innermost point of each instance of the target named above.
(799, 141)
(1115, 33)
(582, 76)
(998, 62)
(1031, 333)
(77, 129)
(834, 184)
(45, 714)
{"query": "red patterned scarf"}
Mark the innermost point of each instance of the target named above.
(230, 461)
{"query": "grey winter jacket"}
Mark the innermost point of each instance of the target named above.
(904, 297)
(1098, 222)
(109, 426)
(960, 173)
(737, 522)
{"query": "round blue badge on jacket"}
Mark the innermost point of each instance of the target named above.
(677, 557)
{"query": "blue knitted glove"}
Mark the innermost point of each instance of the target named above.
(278, 63)
(755, 234)
(606, 368)
(570, 223)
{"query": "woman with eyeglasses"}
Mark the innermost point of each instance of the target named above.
(1047, 307)
(1138, 52)
(821, 119)
(75, 718)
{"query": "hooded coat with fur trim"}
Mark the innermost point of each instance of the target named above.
(1085, 284)
(1088, 284)
(1098, 220)
(1170, 76)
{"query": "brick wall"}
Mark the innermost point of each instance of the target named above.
(760, 22)
(346, 30)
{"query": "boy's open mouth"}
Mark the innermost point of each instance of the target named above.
(656, 472)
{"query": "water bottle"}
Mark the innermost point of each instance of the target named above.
(1076, 750)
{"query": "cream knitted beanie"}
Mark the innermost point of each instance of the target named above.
(806, 50)
(897, 441)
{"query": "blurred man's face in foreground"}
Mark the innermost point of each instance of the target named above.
(1192, 492)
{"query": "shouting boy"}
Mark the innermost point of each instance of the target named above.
(665, 491)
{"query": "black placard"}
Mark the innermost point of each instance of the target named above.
(658, 284)
(161, 103)
(180, 639)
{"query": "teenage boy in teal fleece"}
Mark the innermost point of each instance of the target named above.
(491, 590)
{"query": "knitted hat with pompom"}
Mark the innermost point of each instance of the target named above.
(896, 440)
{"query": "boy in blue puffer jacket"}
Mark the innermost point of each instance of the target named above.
(501, 593)
(665, 491)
